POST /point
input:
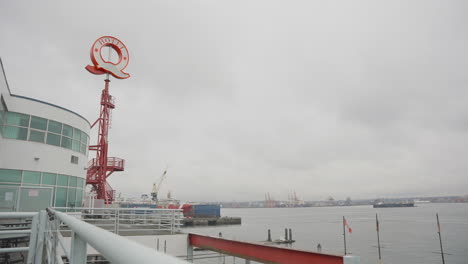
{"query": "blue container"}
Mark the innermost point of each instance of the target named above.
(206, 210)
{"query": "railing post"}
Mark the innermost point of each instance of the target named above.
(39, 248)
(78, 250)
(189, 250)
(115, 220)
(118, 220)
(172, 222)
(33, 238)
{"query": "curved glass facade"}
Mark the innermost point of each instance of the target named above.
(67, 190)
(37, 129)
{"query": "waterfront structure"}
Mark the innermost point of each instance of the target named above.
(101, 167)
(43, 153)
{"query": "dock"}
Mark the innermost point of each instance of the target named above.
(212, 221)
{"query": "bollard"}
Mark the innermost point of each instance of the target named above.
(286, 234)
(269, 236)
(220, 234)
(165, 246)
(157, 244)
(290, 234)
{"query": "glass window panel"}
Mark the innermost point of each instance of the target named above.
(55, 127)
(10, 175)
(15, 132)
(2, 113)
(17, 119)
(66, 142)
(71, 197)
(32, 177)
(53, 139)
(79, 182)
(36, 136)
(62, 180)
(76, 134)
(38, 123)
(83, 149)
(48, 178)
(72, 181)
(76, 145)
(79, 198)
(67, 130)
(1, 130)
(61, 197)
(84, 137)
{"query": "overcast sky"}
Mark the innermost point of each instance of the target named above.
(343, 98)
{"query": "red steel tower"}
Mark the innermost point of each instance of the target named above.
(101, 167)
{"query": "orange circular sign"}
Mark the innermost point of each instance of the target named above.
(101, 66)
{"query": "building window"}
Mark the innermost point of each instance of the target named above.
(53, 139)
(31, 177)
(66, 142)
(67, 130)
(62, 180)
(36, 136)
(14, 132)
(38, 123)
(74, 159)
(55, 127)
(17, 119)
(48, 178)
(10, 176)
(37, 129)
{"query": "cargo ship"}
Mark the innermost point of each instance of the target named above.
(389, 205)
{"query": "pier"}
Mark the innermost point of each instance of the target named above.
(212, 221)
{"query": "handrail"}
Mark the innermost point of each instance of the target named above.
(16, 215)
(110, 245)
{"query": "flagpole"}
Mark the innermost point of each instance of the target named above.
(440, 239)
(378, 237)
(344, 235)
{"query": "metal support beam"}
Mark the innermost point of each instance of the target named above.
(11, 250)
(33, 238)
(262, 253)
(78, 250)
(40, 237)
(189, 251)
(16, 215)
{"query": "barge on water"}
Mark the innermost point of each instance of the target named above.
(390, 205)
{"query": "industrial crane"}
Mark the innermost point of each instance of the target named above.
(157, 186)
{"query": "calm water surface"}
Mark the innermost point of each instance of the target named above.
(407, 235)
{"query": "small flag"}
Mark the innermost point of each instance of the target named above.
(438, 226)
(346, 224)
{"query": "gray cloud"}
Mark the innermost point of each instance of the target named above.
(240, 98)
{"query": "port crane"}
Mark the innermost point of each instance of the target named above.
(157, 186)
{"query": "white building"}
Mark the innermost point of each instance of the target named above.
(43, 153)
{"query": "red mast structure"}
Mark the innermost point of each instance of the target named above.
(101, 167)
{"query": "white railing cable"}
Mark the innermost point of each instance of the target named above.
(114, 248)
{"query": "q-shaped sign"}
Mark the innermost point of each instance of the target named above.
(102, 66)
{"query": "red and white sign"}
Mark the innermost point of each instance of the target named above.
(33, 193)
(101, 66)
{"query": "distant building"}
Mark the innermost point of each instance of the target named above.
(43, 153)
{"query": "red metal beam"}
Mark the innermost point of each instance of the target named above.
(262, 253)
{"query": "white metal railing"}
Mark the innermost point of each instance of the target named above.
(22, 224)
(130, 221)
(114, 248)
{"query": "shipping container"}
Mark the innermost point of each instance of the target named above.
(205, 211)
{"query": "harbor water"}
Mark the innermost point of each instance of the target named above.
(407, 235)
